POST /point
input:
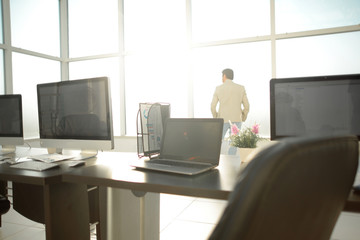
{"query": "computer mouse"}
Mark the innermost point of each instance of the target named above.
(10, 161)
(76, 163)
(2, 158)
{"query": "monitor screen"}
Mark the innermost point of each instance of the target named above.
(76, 114)
(321, 105)
(11, 121)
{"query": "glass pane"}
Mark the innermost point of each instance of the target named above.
(1, 24)
(35, 25)
(321, 55)
(229, 19)
(2, 72)
(155, 79)
(93, 27)
(97, 68)
(251, 63)
(29, 71)
(162, 24)
(301, 15)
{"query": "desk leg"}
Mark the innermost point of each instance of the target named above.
(66, 211)
(131, 217)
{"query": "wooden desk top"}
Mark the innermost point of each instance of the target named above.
(113, 170)
(35, 177)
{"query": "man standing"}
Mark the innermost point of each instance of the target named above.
(234, 105)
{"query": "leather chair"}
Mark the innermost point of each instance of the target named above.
(4, 205)
(294, 189)
(4, 201)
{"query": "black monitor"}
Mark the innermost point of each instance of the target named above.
(11, 123)
(319, 105)
(76, 114)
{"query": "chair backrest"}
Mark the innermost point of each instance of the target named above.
(294, 189)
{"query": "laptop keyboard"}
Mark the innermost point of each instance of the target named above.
(178, 163)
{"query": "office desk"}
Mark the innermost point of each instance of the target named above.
(65, 205)
(114, 170)
(134, 195)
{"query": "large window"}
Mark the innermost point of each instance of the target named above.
(1, 24)
(35, 25)
(155, 26)
(229, 19)
(156, 63)
(93, 27)
(245, 60)
(174, 51)
(35, 28)
(94, 39)
(302, 15)
(28, 72)
(155, 79)
(319, 55)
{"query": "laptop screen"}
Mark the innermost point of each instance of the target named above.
(192, 139)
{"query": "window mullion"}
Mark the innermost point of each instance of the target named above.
(64, 39)
(7, 50)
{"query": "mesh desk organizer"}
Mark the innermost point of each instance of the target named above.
(150, 122)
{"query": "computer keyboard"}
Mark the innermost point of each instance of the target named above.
(35, 165)
(49, 158)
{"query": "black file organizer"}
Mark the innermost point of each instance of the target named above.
(150, 122)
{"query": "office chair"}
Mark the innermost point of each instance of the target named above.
(4, 205)
(4, 201)
(294, 189)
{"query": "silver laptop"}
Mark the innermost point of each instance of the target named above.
(189, 146)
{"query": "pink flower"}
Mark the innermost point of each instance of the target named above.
(255, 128)
(234, 130)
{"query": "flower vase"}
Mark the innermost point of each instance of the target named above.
(244, 154)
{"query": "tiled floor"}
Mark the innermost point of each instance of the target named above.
(180, 218)
(193, 218)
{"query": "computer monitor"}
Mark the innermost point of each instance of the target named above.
(11, 123)
(319, 105)
(76, 115)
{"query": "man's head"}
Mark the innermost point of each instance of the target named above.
(228, 74)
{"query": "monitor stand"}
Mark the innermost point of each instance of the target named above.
(7, 149)
(84, 154)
